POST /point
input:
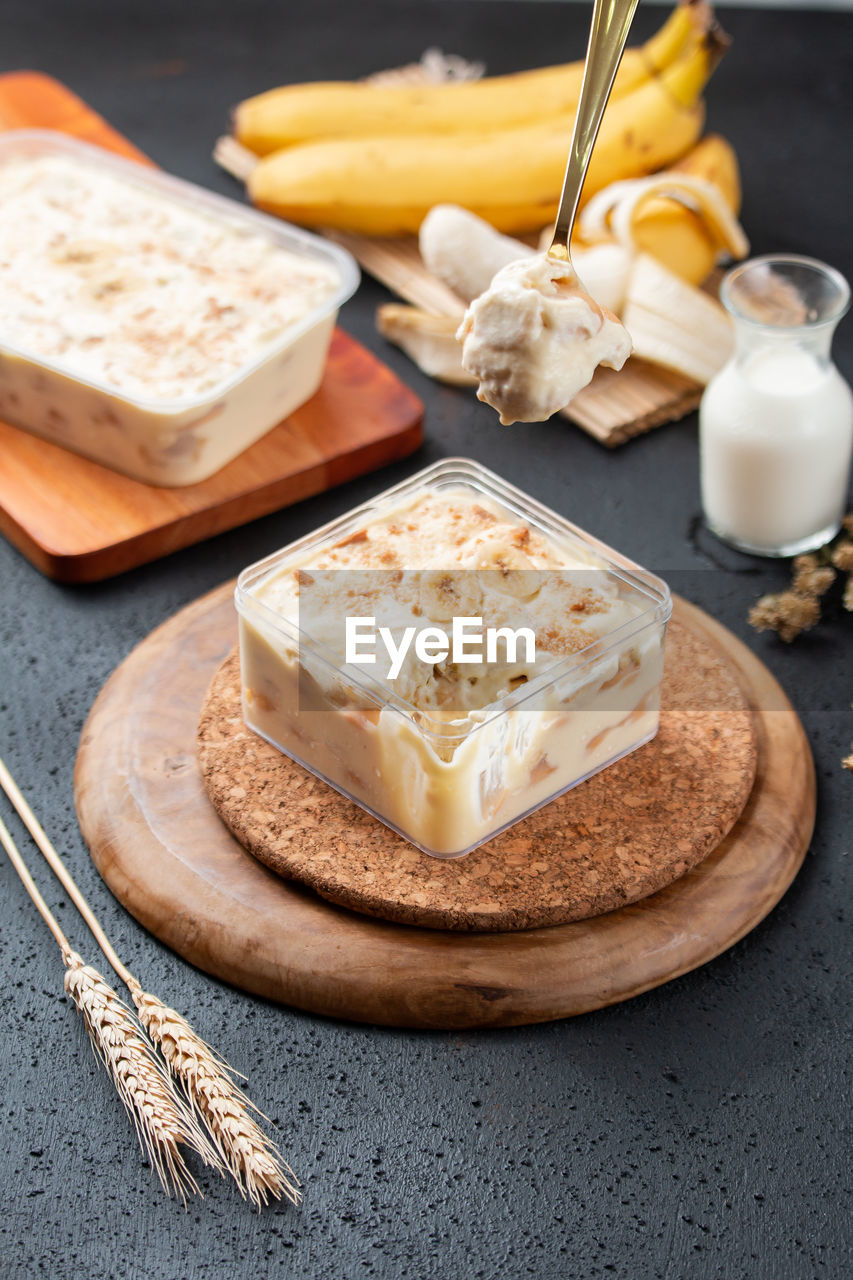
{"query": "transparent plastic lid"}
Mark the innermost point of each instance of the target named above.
(18, 143)
(649, 599)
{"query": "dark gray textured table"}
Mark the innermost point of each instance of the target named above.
(698, 1131)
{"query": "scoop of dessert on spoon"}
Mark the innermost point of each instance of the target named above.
(535, 337)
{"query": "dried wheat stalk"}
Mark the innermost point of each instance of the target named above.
(243, 1147)
(162, 1121)
(219, 1108)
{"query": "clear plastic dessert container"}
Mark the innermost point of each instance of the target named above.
(450, 777)
(161, 437)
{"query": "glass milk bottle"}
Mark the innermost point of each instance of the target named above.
(776, 423)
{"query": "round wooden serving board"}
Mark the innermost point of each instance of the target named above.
(161, 847)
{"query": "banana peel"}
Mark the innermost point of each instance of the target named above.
(685, 225)
(681, 238)
(429, 340)
(714, 159)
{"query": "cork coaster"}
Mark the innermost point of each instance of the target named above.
(626, 833)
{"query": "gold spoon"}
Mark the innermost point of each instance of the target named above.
(548, 361)
(611, 22)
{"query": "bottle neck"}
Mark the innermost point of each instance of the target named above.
(814, 341)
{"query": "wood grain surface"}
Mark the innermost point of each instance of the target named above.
(162, 849)
(80, 522)
(623, 834)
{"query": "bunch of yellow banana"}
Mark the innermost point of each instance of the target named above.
(341, 109)
(374, 160)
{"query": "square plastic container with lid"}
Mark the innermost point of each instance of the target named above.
(188, 428)
(449, 773)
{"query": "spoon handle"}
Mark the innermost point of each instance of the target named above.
(611, 22)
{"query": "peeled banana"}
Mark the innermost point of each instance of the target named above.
(464, 253)
(673, 324)
(304, 112)
(512, 178)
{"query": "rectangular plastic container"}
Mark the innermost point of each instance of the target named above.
(171, 442)
(448, 786)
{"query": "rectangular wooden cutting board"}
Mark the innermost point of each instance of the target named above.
(80, 522)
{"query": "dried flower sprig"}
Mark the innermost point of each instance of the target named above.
(214, 1112)
(798, 608)
(842, 556)
(788, 613)
(810, 577)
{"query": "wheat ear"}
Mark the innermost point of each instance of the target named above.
(254, 1162)
(236, 1142)
(162, 1121)
(160, 1118)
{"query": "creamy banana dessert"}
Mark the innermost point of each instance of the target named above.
(142, 311)
(157, 300)
(534, 339)
(446, 663)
